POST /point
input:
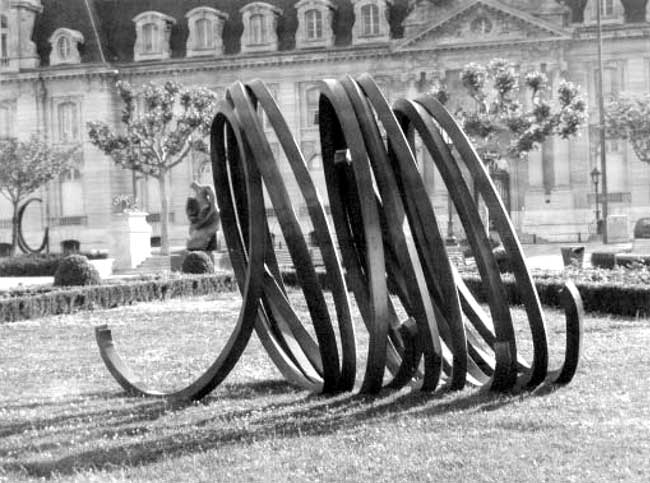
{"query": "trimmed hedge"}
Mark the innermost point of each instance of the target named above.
(627, 299)
(41, 265)
(610, 298)
(95, 297)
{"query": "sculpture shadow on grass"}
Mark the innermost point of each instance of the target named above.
(299, 416)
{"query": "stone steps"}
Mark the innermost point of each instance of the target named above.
(152, 264)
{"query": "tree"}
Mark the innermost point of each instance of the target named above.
(25, 166)
(629, 118)
(172, 121)
(499, 125)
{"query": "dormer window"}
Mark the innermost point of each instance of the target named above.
(370, 21)
(314, 21)
(153, 30)
(4, 40)
(150, 38)
(314, 24)
(206, 27)
(64, 46)
(260, 22)
(610, 11)
(258, 29)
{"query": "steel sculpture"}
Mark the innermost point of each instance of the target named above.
(20, 239)
(387, 236)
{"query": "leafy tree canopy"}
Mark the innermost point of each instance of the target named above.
(500, 121)
(161, 123)
(25, 166)
(629, 118)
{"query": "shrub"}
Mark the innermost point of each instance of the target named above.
(29, 266)
(603, 259)
(42, 303)
(40, 265)
(76, 270)
(197, 262)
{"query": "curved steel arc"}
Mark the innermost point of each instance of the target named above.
(251, 292)
(22, 243)
(388, 237)
(424, 228)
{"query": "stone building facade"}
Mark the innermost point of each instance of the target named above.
(60, 59)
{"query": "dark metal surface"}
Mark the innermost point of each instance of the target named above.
(388, 243)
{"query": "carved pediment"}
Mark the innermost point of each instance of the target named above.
(482, 21)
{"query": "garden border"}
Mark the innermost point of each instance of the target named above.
(603, 297)
(72, 299)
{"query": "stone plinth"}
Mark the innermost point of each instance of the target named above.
(131, 239)
(617, 229)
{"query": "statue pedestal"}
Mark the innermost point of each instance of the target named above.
(617, 229)
(131, 243)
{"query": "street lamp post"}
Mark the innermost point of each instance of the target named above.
(595, 176)
(601, 111)
(451, 239)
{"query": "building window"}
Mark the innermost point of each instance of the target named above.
(149, 38)
(607, 7)
(71, 193)
(4, 40)
(68, 122)
(313, 96)
(260, 23)
(370, 18)
(6, 121)
(63, 47)
(610, 82)
(64, 44)
(315, 19)
(203, 33)
(257, 29)
(314, 22)
(205, 173)
(205, 26)
(371, 21)
(153, 30)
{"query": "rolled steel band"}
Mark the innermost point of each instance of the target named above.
(388, 250)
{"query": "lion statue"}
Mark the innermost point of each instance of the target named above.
(203, 215)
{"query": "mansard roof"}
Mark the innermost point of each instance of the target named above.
(70, 14)
(117, 33)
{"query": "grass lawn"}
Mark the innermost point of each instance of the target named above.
(63, 417)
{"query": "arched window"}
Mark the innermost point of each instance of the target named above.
(257, 29)
(370, 19)
(150, 38)
(204, 37)
(68, 122)
(4, 40)
(314, 22)
(63, 47)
